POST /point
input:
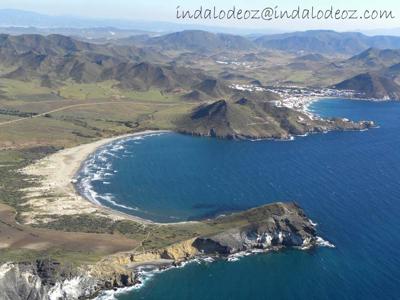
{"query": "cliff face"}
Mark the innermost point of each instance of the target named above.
(277, 233)
(269, 227)
(43, 280)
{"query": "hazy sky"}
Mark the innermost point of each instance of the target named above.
(165, 10)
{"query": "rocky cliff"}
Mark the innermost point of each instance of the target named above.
(43, 280)
(270, 227)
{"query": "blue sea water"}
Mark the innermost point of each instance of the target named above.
(347, 182)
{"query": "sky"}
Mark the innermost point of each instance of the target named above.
(165, 10)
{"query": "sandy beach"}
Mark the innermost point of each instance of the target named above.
(56, 194)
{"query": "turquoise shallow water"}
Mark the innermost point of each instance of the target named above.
(347, 182)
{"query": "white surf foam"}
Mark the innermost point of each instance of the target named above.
(323, 243)
(110, 199)
(98, 167)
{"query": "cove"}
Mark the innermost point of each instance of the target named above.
(348, 182)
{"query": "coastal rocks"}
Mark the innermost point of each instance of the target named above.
(180, 251)
(75, 288)
(43, 280)
(269, 227)
(345, 124)
(112, 274)
(20, 282)
(237, 241)
(286, 226)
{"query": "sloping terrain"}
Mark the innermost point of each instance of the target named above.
(255, 120)
(59, 58)
(200, 41)
(372, 85)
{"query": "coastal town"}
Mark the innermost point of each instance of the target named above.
(297, 97)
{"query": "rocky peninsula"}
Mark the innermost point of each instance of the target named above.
(249, 119)
(270, 227)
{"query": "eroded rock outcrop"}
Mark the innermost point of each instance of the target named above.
(44, 280)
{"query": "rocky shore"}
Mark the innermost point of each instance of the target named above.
(270, 227)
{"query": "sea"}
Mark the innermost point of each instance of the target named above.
(346, 182)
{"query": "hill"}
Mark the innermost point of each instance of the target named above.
(212, 87)
(374, 57)
(255, 120)
(372, 85)
(200, 41)
(144, 75)
(59, 58)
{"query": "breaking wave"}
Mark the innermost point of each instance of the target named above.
(98, 169)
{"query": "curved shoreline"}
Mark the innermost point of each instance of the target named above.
(57, 172)
(57, 193)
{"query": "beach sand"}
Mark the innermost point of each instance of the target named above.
(56, 194)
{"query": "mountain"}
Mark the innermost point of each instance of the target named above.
(372, 85)
(374, 57)
(246, 118)
(12, 48)
(60, 58)
(326, 42)
(144, 75)
(200, 41)
(93, 34)
(393, 71)
(22, 18)
(51, 45)
(212, 87)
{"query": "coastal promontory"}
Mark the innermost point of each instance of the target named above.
(269, 227)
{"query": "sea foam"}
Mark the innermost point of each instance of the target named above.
(99, 168)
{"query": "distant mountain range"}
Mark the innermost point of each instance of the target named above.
(198, 40)
(55, 58)
(93, 34)
(21, 18)
(315, 41)
(40, 23)
(146, 63)
(326, 41)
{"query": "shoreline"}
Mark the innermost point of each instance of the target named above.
(145, 271)
(58, 194)
(57, 172)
